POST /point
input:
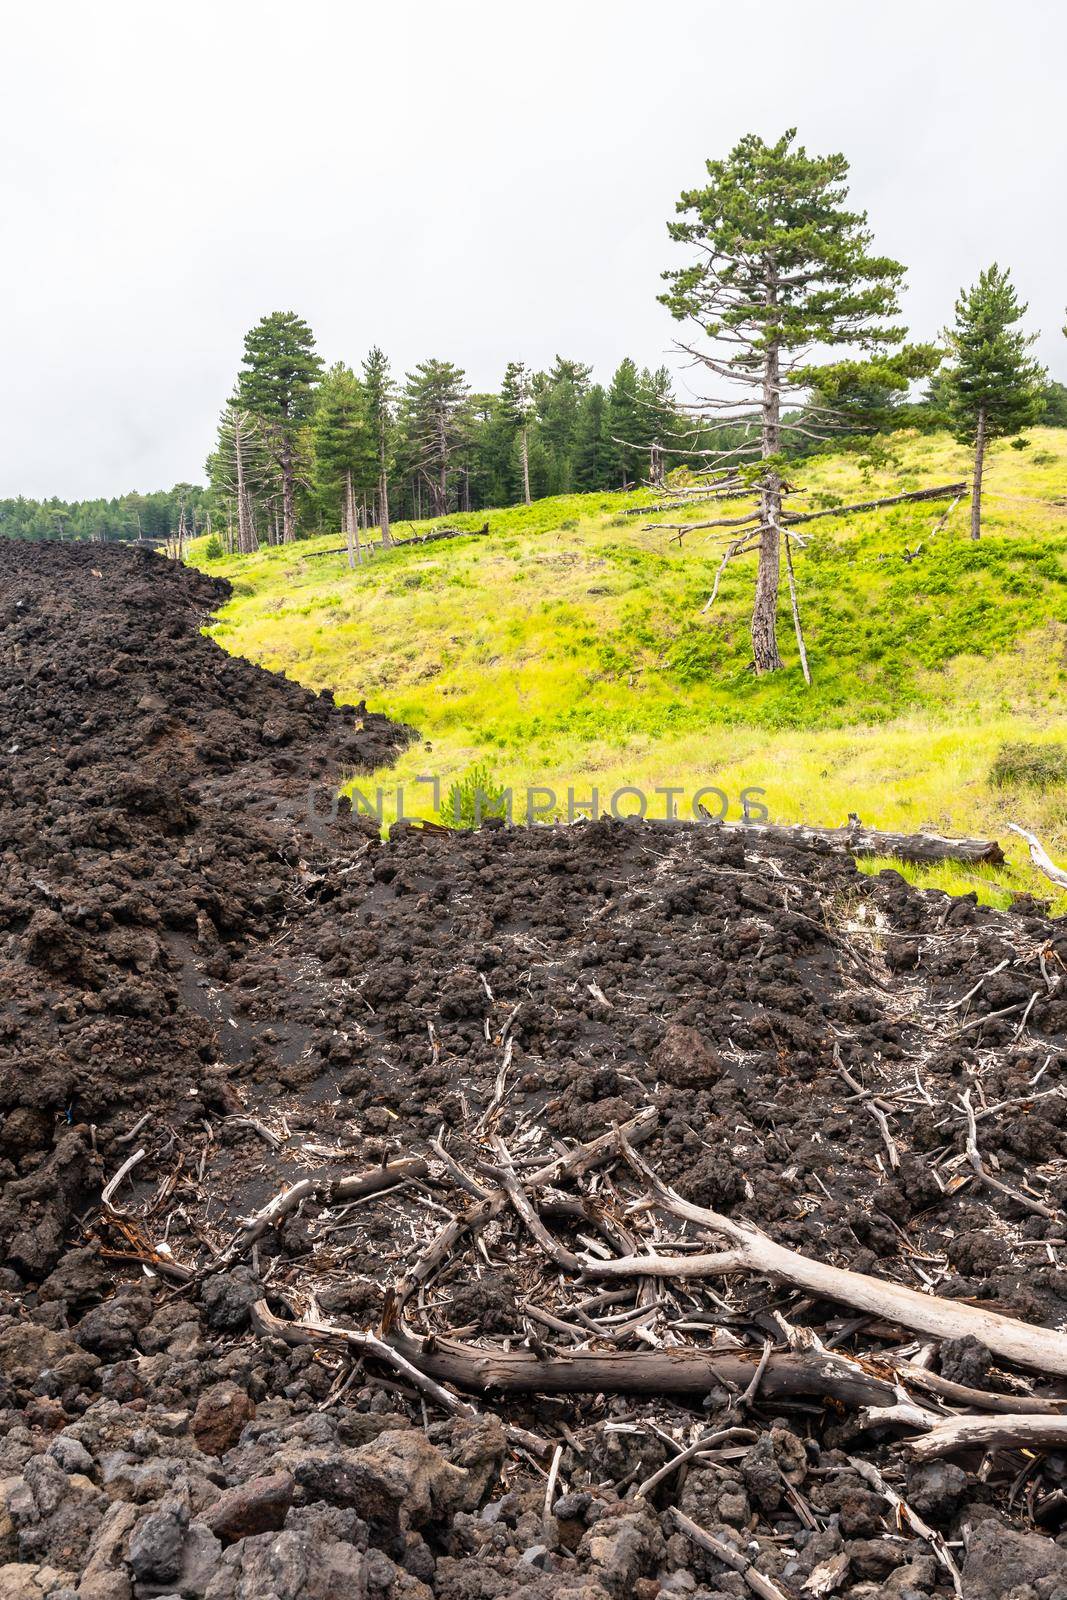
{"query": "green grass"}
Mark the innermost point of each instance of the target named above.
(568, 649)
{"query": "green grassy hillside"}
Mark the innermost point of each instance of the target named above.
(568, 648)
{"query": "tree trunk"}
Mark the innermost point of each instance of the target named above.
(768, 575)
(383, 505)
(441, 487)
(921, 848)
(350, 520)
(976, 488)
(524, 448)
(288, 496)
(246, 535)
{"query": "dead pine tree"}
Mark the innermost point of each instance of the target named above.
(434, 404)
(239, 469)
(782, 269)
(351, 521)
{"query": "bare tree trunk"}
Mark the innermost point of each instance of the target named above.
(976, 487)
(246, 533)
(524, 450)
(768, 575)
(288, 496)
(798, 630)
(349, 520)
(383, 504)
(441, 487)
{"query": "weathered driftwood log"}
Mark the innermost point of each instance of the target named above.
(920, 848)
(681, 1371)
(751, 1250)
(960, 1394)
(1040, 856)
(945, 1438)
(665, 1371)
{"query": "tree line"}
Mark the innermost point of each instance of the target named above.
(156, 517)
(781, 277)
(302, 447)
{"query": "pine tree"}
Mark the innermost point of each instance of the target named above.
(992, 388)
(627, 424)
(517, 405)
(781, 266)
(277, 385)
(380, 393)
(434, 401)
(660, 421)
(594, 454)
(558, 393)
(342, 446)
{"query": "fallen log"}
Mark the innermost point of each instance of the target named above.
(398, 544)
(944, 491)
(988, 1433)
(919, 848)
(493, 1369)
(751, 1250)
(665, 1371)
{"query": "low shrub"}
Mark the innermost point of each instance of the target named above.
(1029, 764)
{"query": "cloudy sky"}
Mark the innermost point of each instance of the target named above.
(475, 180)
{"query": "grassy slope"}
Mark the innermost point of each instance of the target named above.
(568, 648)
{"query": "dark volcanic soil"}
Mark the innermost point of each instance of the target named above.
(193, 970)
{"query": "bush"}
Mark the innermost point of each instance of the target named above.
(1037, 766)
(213, 548)
(472, 798)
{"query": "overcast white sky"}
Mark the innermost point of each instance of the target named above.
(475, 180)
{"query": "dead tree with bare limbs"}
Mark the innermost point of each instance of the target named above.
(240, 470)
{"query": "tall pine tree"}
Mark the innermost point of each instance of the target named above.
(276, 384)
(558, 393)
(993, 387)
(781, 266)
(343, 447)
(517, 405)
(627, 424)
(594, 453)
